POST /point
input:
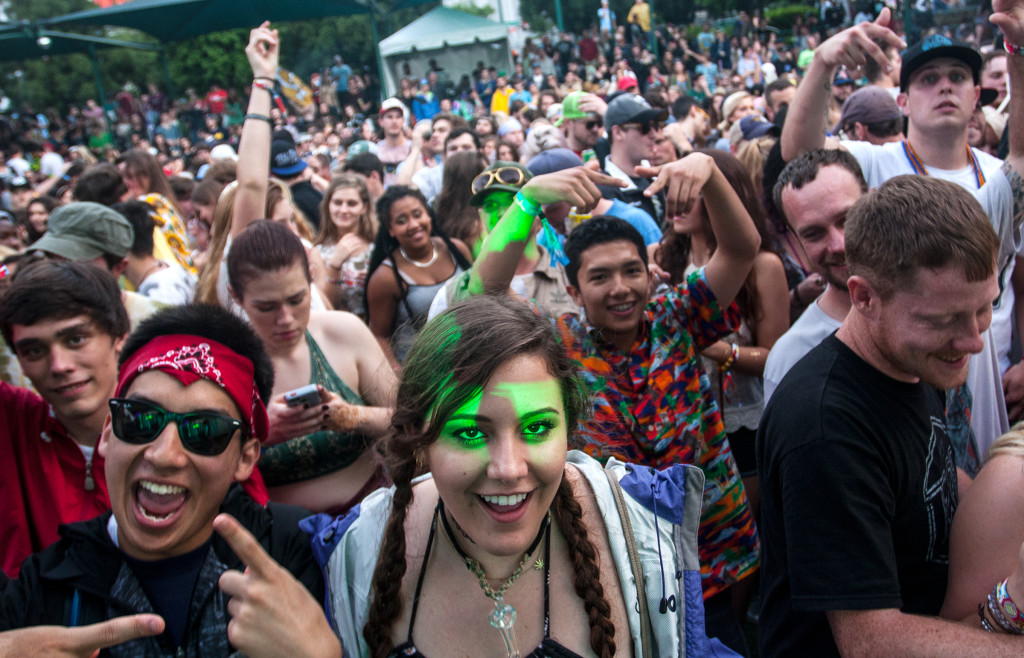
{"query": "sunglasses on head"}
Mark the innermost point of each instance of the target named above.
(503, 175)
(644, 128)
(204, 433)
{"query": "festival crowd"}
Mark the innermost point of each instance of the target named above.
(713, 352)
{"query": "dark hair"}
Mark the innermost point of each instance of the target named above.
(141, 163)
(207, 192)
(886, 128)
(140, 215)
(182, 187)
(459, 132)
(101, 183)
(206, 321)
(674, 249)
(46, 289)
(780, 84)
(453, 357)
(459, 219)
(365, 164)
(681, 106)
(261, 248)
(599, 230)
(385, 244)
(913, 222)
(513, 147)
(222, 171)
(804, 168)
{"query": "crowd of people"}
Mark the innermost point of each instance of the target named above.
(641, 352)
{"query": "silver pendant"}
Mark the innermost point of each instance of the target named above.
(504, 618)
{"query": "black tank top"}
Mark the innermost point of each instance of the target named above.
(548, 647)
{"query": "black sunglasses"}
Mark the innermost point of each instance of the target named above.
(202, 432)
(644, 128)
(512, 176)
(590, 125)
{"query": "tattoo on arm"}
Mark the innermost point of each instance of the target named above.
(1017, 185)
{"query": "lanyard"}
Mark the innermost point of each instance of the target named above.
(918, 167)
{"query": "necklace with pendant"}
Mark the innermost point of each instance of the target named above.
(503, 617)
(422, 264)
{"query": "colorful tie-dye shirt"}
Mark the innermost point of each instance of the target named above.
(653, 405)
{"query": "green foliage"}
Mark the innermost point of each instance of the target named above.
(200, 62)
(470, 7)
(783, 17)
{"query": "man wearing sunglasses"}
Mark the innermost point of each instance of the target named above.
(581, 120)
(634, 128)
(181, 445)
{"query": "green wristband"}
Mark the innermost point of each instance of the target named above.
(527, 206)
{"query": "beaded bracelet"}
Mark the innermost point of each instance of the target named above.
(527, 206)
(260, 117)
(1010, 611)
(734, 354)
(1013, 48)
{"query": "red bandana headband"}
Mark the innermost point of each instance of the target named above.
(190, 358)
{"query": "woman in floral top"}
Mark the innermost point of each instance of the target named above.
(347, 230)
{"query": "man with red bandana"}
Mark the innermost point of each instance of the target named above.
(181, 443)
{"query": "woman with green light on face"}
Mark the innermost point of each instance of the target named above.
(496, 540)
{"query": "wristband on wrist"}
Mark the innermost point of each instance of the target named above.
(263, 83)
(260, 117)
(734, 354)
(263, 77)
(1013, 48)
(527, 206)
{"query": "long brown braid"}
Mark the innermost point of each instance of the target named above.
(586, 575)
(453, 357)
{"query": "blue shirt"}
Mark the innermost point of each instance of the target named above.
(639, 219)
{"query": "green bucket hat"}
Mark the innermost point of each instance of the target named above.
(84, 230)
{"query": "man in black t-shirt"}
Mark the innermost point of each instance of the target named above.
(858, 481)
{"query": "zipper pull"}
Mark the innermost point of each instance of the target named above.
(90, 483)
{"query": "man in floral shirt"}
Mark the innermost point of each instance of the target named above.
(639, 356)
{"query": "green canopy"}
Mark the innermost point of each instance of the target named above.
(178, 20)
(30, 42)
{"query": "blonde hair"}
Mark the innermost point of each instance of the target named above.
(1011, 443)
(278, 191)
(206, 289)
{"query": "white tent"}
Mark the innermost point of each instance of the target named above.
(455, 40)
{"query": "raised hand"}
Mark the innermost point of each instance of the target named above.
(853, 46)
(1008, 16)
(272, 614)
(682, 181)
(576, 186)
(263, 51)
(83, 641)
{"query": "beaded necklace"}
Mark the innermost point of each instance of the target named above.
(918, 166)
(503, 617)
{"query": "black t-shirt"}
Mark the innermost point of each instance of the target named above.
(858, 491)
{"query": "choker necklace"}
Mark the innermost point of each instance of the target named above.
(417, 263)
(503, 617)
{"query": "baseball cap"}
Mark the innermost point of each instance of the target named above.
(500, 176)
(360, 147)
(571, 108)
(627, 108)
(754, 126)
(510, 125)
(223, 152)
(284, 159)
(934, 47)
(83, 230)
(394, 104)
(869, 104)
(19, 183)
(552, 160)
(626, 83)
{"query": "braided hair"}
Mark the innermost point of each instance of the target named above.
(453, 357)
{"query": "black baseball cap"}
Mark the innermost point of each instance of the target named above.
(934, 47)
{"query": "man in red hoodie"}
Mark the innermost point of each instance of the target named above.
(65, 323)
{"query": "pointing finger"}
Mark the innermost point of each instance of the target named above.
(244, 544)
